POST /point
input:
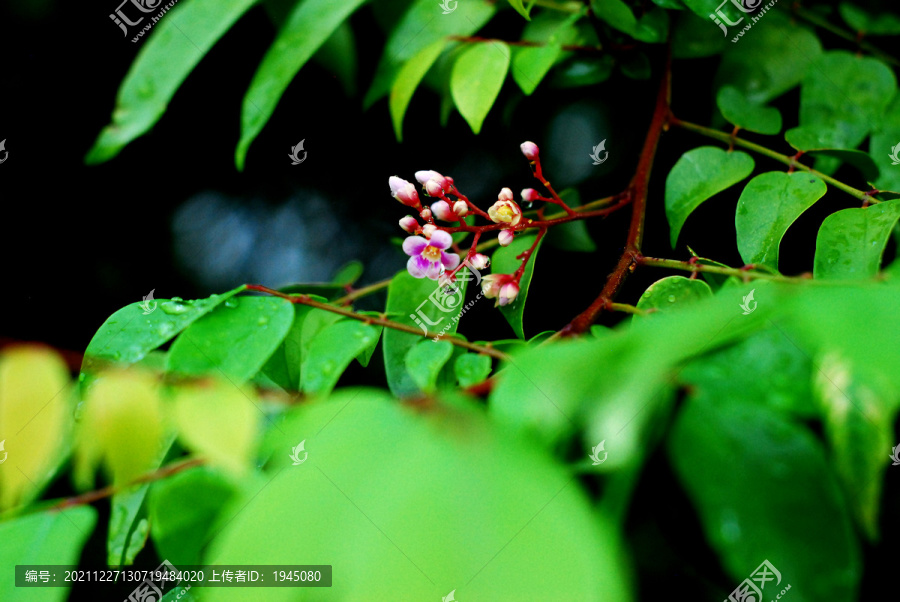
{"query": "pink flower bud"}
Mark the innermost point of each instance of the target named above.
(409, 224)
(505, 212)
(505, 237)
(442, 211)
(530, 194)
(479, 261)
(492, 283)
(530, 150)
(428, 230)
(508, 293)
(404, 191)
(433, 188)
(428, 174)
(505, 195)
(460, 208)
(425, 213)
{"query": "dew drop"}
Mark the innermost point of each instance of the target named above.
(231, 303)
(262, 321)
(671, 298)
(174, 308)
(165, 329)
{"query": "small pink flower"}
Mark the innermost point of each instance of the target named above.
(427, 258)
(442, 211)
(404, 191)
(427, 174)
(460, 208)
(505, 194)
(505, 212)
(500, 287)
(530, 194)
(409, 224)
(505, 238)
(508, 293)
(425, 213)
(428, 230)
(530, 150)
(479, 261)
(433, 188)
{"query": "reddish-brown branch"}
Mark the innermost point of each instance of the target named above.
(637, 191)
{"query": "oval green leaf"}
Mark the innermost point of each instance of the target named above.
(331, 352)
(425, 361)
(672, 292)
(408, 80)
(746, 115)
(851, 242)
(476, 79)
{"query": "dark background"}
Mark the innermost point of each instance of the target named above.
(172, 213)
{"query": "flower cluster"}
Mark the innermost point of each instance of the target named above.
(429, 244)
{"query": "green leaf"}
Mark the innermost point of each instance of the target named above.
(128, 335)
(616, 13)
(698, 175)
(54, 537)
(184, 510)
(744, 114)
(348, 273)
(408, 80)
(635, 66)
(519, 5)
(531, 64)
(338, 55)
(504, 262)
(763, 490)
(715, 281)
(353, 503)
(425, 361)
(472, 368)
(882, 24)
(652, 27)
(234, 340)
(309, 25)
(577, 72)
(884, 145)
(769, 62)
(692, 37)
(859, 427)
(422, 25)
(332, 351)
(851, 241)
(846, 102)
(671, 292)
(127, 530)
(177, 44)
(770, 203)
(816, 142)
(283, 366)
(476, 79)
(419, 303)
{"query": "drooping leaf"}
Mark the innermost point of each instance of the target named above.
(519, 5)
(121, 427)
(177, 44)
(420, 26)
(309, 25)
(218, 420)
(698, 175)
(859, 427)
(348, 273)
(408, 80)
(731, 456)
(579, 71)
(862, 22)
(184, 510)
(338, 55)
(127, 530)
(616, 13)
(692, 36)
(846, 102)
(347, 501)
(419, 303)
(884, 148)
(332, 351)
(816, 142)
(53, 537)
(283, 366)
(504, 262)
(35, 421)
(234, 341)
(767, 62)
(425, 360)
(671, 292)
(471, 368)
(130, 333)
(770, 203)
(476, 79)
(851, 241)
(741, 112)
(530, 64)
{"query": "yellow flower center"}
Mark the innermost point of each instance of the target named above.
(505, 213)
(432, 254)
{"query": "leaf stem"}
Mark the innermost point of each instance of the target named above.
(307, 300)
